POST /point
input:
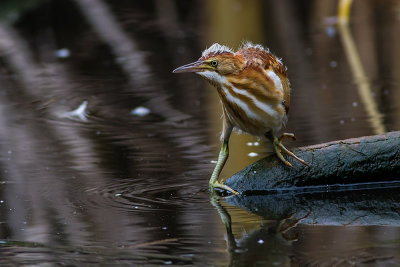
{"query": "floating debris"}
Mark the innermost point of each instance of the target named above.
(80, 112)
(140, 111)
(63, 53)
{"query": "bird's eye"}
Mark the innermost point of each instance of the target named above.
(214, 63)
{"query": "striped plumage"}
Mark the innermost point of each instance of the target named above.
(252, 85)
(254, 91)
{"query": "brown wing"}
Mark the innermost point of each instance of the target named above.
(281, 72)
(275, 64)
(258, 56)
(278, 67)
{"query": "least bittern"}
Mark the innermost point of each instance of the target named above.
(255, 94)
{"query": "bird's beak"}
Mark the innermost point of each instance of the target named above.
(192, 67)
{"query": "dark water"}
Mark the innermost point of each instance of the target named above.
(125, 182)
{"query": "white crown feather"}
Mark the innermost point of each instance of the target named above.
(217, 49)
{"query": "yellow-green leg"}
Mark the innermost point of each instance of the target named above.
(222, 157)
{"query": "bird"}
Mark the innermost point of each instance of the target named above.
(254, 91)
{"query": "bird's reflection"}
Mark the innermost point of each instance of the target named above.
(343, 218)
(269, 245)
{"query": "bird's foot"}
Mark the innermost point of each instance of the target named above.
(287, 135)
(279, 148)
(223, 187)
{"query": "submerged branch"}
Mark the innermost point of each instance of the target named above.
(357, 160)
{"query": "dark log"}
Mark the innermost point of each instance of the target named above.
(370, 159)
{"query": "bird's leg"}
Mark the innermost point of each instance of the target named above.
(222, 157)
(279, 148)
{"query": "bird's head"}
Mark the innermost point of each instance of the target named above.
(215, 63)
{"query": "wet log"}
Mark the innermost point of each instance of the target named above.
(370, 159)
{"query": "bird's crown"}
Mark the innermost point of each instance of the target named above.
(216, 49)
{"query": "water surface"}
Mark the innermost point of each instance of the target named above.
(105, 154)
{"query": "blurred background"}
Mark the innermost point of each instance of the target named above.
(105, 155)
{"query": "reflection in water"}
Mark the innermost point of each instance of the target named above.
(131, 60)
(249, 249)
(124, 188)
(360, 78)
(287, 220)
